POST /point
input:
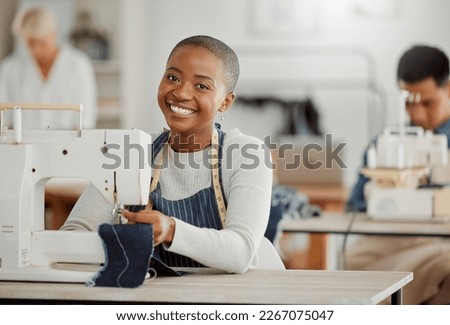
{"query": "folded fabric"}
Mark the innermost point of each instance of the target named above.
(293, 203)
(128, 249)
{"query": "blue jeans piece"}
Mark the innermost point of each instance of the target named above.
(128, 250)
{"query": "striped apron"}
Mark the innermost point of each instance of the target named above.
(204, 209)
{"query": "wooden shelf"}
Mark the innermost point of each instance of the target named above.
(107, 66)
(109, 113)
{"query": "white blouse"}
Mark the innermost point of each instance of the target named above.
(71, 81)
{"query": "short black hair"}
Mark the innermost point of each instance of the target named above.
(221, 50)
(421, 62)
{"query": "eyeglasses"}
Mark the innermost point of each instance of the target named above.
(413, 98)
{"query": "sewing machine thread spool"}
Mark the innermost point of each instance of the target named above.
(372, 157)
(401, 156)
(2, 128)
(17, 124)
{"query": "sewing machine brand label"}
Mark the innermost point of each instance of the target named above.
(25, 256)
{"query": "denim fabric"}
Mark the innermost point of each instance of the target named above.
(276, 214)
(293, 204)
(128, 250)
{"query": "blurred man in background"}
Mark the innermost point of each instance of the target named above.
(424, 72)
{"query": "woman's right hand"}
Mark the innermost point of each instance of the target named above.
(163, 226)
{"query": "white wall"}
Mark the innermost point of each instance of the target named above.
(338, 26)
(145, 32)
(7, 10)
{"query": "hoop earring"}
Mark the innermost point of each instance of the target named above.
(221, 115)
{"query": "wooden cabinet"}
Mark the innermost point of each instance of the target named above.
(330, 198)
(108, 76)
(104, 19)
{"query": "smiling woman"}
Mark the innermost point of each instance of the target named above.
(203, 214)
(196, 85)
(190, 95)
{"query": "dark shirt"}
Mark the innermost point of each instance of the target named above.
(356, 201)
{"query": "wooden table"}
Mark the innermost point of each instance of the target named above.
(361, 224)
(254, 287)
(336, 223)
(328, 197)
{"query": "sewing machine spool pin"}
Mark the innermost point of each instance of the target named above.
(117, 210)
(18, 107)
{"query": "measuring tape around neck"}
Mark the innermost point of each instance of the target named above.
(214, 174)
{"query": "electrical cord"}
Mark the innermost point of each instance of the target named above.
(343, 262)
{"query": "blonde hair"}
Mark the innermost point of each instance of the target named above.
(34, 22)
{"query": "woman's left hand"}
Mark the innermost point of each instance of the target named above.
(163, 226)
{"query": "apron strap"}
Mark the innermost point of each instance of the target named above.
(157, 173)
(214, 174)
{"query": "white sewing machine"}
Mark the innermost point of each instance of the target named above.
(114, 161)
(404, 159)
